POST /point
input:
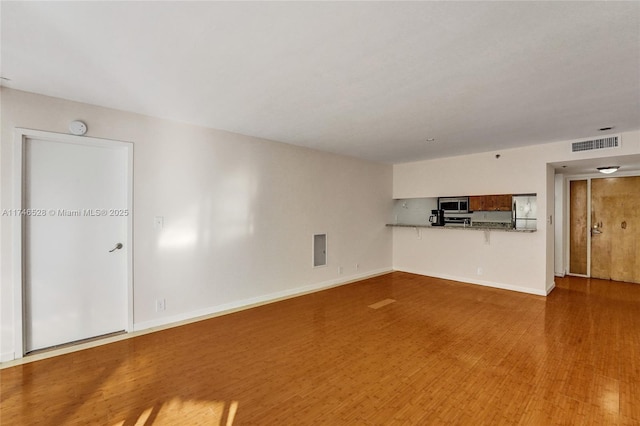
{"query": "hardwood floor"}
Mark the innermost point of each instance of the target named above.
(441, 353)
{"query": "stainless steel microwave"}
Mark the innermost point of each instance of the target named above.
(454, 204)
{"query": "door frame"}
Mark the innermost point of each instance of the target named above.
(567, 229)
(18, 247)
(567, 216)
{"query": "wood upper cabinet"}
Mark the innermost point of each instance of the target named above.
(490, 203)
(476, 203)
(500, 203)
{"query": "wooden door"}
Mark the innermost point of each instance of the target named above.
(615, 227)
(578, 238)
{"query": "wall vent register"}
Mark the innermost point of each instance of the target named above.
(610, 142)
(319, 250)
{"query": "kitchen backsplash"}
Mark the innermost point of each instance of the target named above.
(413, 211)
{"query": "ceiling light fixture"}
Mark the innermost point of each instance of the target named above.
(431, 139)
(608, 170)
(602, 129)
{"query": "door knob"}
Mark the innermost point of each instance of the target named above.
(117, 247)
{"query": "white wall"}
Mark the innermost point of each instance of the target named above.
(560, 238)
(239, 212)
(523, 262)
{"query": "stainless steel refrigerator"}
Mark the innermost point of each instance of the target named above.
(524, 212)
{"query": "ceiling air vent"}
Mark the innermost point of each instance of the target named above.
(611, 142)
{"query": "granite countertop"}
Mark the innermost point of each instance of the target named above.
(488, 227)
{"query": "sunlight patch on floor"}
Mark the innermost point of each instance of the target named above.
(178, 411)
(143, 417)
(381, 303)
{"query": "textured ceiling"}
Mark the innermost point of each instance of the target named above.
(371, 80)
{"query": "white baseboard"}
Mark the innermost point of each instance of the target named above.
(477, 282)
(551, 287)
(227, 308)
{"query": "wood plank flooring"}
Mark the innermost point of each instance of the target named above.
(442, 353)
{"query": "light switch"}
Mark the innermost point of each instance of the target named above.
(158, 222)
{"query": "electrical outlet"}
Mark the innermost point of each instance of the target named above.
(357, 266)
(161, 305)
(340, 270)
(479, 272)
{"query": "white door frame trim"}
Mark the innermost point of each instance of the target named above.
(20, 136)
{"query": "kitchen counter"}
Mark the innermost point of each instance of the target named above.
(462, 228)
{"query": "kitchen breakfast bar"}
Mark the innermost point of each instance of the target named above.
(462, 227)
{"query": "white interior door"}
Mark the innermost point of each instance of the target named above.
(75, 197)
